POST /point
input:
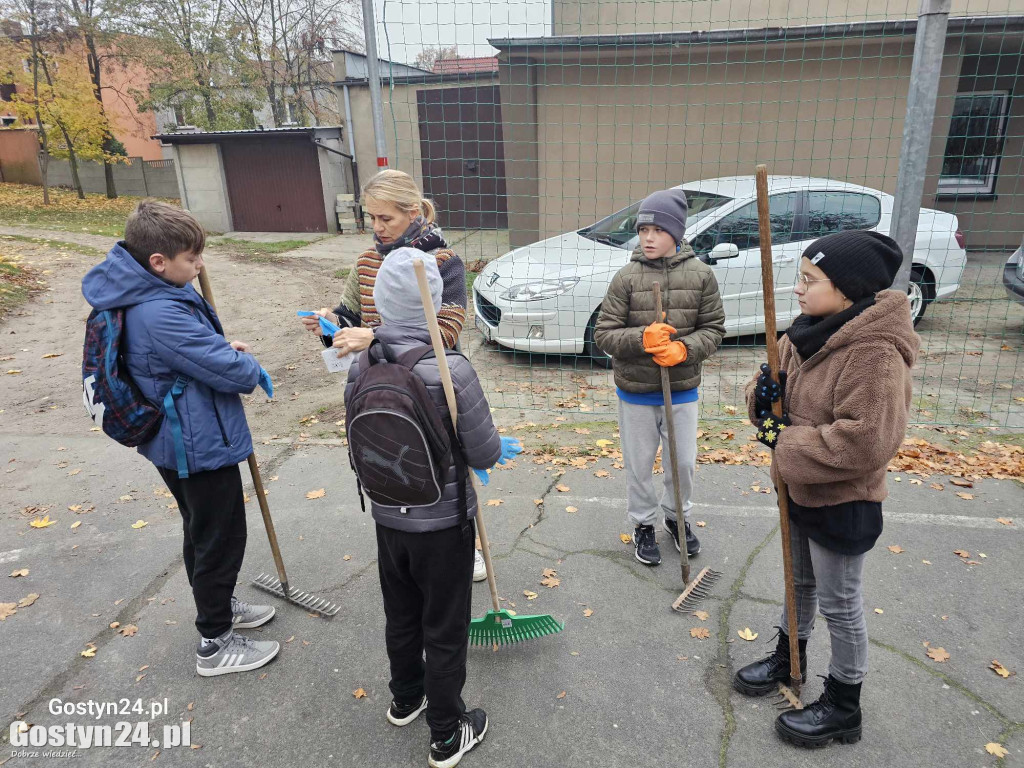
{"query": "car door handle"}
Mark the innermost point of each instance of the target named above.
(782, 259)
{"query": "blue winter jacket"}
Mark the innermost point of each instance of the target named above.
(171, 332)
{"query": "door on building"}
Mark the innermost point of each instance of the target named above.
(274, 184)
(463, 155)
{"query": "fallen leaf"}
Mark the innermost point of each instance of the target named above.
(347, 557)
(27, 600)
(89, 652)
(495, 502)
(139, 677)
(997, 749)
(966, 496)
(938, 654)
(915, 481)
(746, 634)
(7, 609)
(702, 615)
(961, 482)
(530, 595)
(601, 473)
(75, 524)
(128, 630)
(290, 639)
(144, 667)
(547, 573)
(588, 612)
(603, 443)
(538, 502)
(139, 524)
(700, 524)
(927, 562)
(937, 486)
(13, 372)
(19, 572)
(318, 494)
(115, 624)
(570, 510)
(961, 553)
(730, 409)
(126, 497)
(74, 472)
(562, 488)
(191, 706)
(879, 611)
(359, 693)
(581, 431)
(701, 633)
(550, 582)
(1004, 521)
(42, 522)
(896, 549)
(999, 669)
(561, 695)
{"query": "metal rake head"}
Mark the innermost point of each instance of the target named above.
(787, 697)
(307, 600)
(696, 591)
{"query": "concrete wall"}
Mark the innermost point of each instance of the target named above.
(203, 187)
(610, 131)
(993, 222)
(593, 17)
(334, 177)
(19, 156)
(136, 178)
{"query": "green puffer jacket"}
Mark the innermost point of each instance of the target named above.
(690, 298)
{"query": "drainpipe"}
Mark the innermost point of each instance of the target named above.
(355, 165)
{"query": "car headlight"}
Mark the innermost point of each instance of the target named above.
(1020, 264)
(540, 289)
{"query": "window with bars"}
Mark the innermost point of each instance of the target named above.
(976, 134)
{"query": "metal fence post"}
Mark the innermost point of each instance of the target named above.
(373, 74)
(929, 45)
(145, 180)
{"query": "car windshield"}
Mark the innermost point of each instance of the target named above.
(619, 229)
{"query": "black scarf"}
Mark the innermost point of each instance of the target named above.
(420, 235)
(810, 334)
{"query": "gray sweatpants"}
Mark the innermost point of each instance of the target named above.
(831, 581)
(642, 429)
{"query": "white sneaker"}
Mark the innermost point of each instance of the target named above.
(479, 567)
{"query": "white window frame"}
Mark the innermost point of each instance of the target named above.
(957, 185)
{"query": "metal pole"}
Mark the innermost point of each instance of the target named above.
(929, 45)
(373, 70)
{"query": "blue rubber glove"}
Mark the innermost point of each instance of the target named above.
(327, 328)
(510, 448)
(482, 476)
(265, 382)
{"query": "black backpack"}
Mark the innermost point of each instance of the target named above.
(398, 444)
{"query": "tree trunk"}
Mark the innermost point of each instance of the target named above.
(73, 161)
(44, 155)
(211, 116)
(97, 88)
(44, 171)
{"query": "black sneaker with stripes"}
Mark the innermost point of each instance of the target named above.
(403, 714)
(471, 731)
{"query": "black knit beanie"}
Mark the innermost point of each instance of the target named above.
(665, 209)
(858, 262)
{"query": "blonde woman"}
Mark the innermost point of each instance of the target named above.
(401, 217)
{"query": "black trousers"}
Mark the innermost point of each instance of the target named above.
(212, 506)
(427, 582)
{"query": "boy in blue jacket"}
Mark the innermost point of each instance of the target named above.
(171, 334)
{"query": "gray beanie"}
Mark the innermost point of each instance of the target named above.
(396, 292)
(665, 209)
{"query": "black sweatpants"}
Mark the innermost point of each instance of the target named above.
(427, 582)
(212, 506)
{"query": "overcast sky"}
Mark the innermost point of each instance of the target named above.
(416, 24)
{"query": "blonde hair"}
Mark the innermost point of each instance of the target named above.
(399, 189)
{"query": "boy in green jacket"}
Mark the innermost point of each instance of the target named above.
(640, 344)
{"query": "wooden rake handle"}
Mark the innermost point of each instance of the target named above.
(254, 468)
(453, 411)
(772, 344)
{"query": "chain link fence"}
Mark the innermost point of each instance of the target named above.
(538, 127)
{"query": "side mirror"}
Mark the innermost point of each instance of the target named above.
(724, 251)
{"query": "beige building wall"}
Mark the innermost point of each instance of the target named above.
(608, 135)
(625, 17)
(203, 188)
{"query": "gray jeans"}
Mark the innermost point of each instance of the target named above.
(827, 580)
(642, 429)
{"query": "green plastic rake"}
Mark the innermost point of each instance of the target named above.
(498, 627)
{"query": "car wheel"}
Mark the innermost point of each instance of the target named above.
(921, 292)
(590, 350)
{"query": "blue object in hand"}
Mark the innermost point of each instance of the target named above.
(265, 382)
(482, 476)
(510, 448)
(326, 326)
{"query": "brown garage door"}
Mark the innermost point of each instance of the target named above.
(274, 185)
(463, 155)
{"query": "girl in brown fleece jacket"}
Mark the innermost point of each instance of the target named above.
(845, 386)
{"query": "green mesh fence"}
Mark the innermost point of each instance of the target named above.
(538, 127)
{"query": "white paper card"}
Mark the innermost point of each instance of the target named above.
(337, 364)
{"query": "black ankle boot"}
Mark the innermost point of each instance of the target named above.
(764, 676)
(836, 715)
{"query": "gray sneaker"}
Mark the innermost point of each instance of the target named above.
(246, 616)
(235, 653)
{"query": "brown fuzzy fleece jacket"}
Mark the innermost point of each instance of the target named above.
(849, 404)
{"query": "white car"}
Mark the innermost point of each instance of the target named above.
(545, 297)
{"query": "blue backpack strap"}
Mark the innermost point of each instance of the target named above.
(172, 416)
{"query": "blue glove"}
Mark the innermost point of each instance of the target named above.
(510, 448)
(265, 382)
(482, 476)
(327, 328)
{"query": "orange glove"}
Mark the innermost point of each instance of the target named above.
(656, 336)
(672, 354)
